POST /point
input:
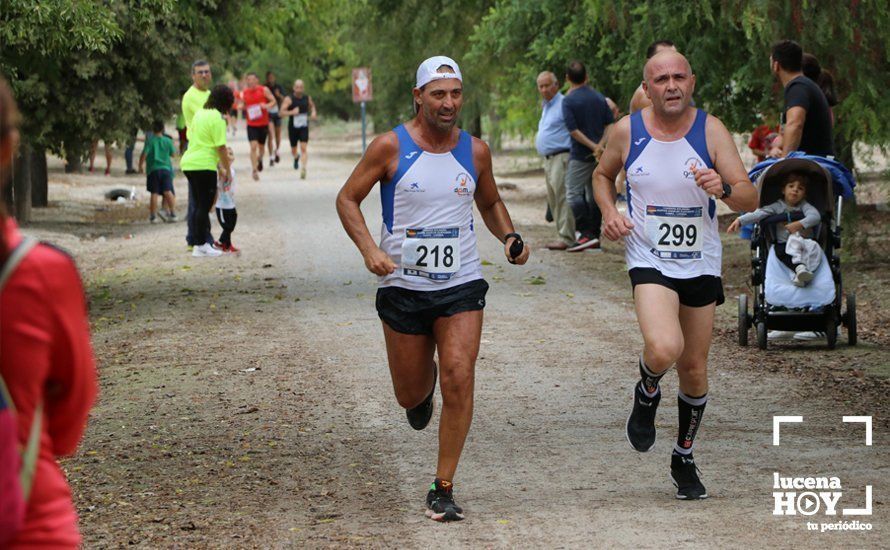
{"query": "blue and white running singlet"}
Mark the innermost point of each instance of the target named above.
(428, 217)
(675, 222)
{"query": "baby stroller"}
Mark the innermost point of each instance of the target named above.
(779, 304)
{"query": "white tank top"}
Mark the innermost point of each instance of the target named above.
(428, 217)
(675, 222)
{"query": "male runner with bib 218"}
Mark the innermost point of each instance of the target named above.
(679, 162)
(431, 291)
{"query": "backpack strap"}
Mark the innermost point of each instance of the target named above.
(17, 255)
(30, 452)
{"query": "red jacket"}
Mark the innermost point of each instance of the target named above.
(45, 355)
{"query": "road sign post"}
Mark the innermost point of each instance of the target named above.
(364, 126)
(362, 92)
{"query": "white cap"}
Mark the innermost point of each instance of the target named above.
(429, 70)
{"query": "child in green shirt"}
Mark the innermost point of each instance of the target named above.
(157, 155)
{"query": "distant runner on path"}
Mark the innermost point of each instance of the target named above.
(257, 101)
(431, 291)
(274, 117)
(301, 110)
(679, 162)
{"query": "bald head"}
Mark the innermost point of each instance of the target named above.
(666, 61)
(548, 85)
(669, 84)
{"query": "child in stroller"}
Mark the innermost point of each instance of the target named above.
(816, 310)
(793, 204)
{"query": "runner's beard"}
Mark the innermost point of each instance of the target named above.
(432, 117)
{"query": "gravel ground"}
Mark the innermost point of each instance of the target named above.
(245, 401)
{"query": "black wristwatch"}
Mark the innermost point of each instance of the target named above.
(516, 247)
(514, 235)
(727, 191)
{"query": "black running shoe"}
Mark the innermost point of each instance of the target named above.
(440, 502)
(420, 415)
(259, 165)
(296, 164)
(684, 474)
(641, 422)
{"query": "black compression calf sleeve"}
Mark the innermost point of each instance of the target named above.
(691, 410)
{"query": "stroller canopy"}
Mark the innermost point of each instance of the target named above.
(771, 181)
(842, 179)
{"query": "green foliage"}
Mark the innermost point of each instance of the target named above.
(726, 41)
(396, 35)
(53, 27)
(89, 69)
(310, 41)
(83, 69)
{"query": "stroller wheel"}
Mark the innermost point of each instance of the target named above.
(850, 317)
(743, 319)
(761, 335)
(831, 330)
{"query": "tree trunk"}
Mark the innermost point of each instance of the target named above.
(73, 164)
(21, 185)
(39, 179)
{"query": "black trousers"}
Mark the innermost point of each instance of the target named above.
(227, 218)
(202, 189)
(784, 257)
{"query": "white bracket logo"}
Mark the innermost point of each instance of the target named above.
(808, 503)
(861, 420)
(779, 420)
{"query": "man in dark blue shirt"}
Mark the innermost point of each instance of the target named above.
(588, 119)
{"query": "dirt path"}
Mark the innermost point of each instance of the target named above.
(246, 401)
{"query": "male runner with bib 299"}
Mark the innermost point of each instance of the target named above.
(431, 291)
(679, 162)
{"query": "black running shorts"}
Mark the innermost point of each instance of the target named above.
(415, 311)
(275, 119)
(257, 133)
(695, 292)
(298, 134)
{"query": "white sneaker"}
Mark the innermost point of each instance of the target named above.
(205, 251)
(809, 335)
(780, 335)
(802, 275)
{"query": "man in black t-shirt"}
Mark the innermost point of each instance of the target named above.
(807, 118)
(588, 119)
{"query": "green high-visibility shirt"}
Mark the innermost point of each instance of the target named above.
(193, 101)
(206, 133)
